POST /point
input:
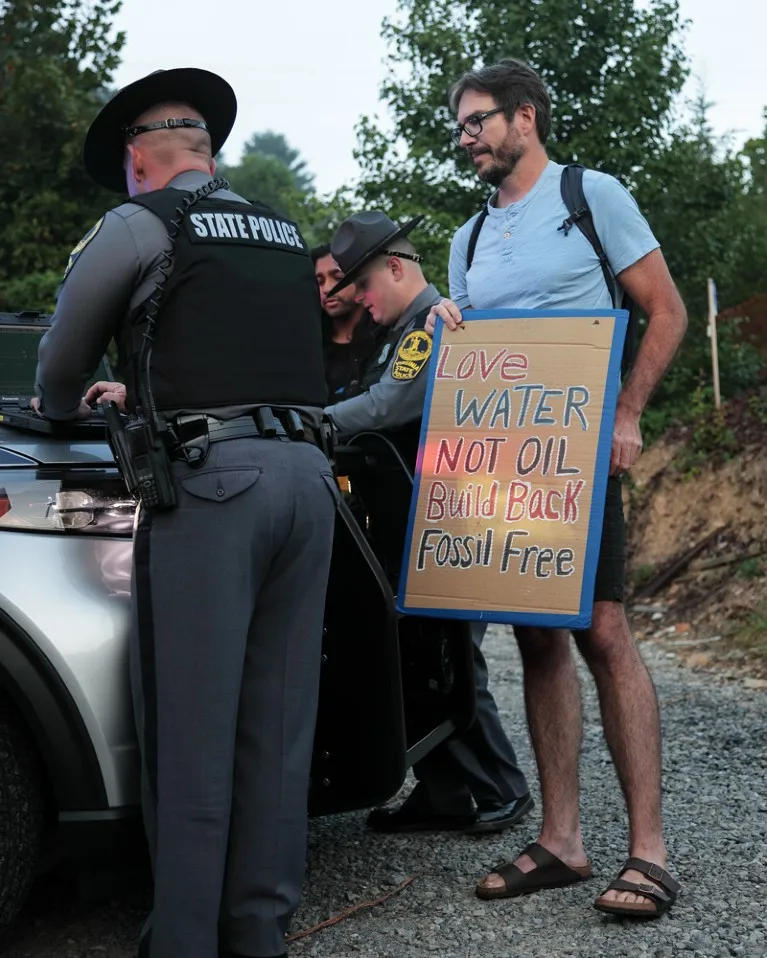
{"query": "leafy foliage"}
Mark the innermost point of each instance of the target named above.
(267, 180)
(275, 146)
(614, 72)
(273, 172)
(56, 62)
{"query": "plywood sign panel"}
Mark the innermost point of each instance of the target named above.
(508, 501)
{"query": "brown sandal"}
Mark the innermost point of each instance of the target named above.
(663, 893)
(551, 872)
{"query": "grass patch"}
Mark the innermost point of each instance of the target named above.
(642, 574)
(751, 635)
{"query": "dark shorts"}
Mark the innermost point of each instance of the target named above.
(611, 566)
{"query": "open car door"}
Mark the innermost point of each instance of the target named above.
(393, 686)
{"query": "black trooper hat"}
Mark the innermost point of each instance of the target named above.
(208, 93)
(360, 238)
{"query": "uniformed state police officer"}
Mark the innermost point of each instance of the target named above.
(374, 253)
(472, 782)
(229, 586)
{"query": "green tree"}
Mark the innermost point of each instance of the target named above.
(275, 145)
(613, 71)
(691, 191)
(702, 199)
(56, 63)
(267, 180)
(320, 216)
(751, 213)
(272, 172)
(755, 153)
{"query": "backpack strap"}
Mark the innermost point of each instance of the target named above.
(574, 198)
(475, 231)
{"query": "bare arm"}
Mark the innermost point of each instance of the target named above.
(650, 285)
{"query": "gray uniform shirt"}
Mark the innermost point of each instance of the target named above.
(114, 272)
(390, 402)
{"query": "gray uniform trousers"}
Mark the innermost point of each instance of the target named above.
(478, 764)
(229, 592)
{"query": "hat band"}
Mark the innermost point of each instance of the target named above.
(416, 258)
(171, 124)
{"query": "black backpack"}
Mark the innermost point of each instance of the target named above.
(571, 186)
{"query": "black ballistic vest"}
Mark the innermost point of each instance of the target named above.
(240, 318)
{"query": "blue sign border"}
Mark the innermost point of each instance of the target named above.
(602, 470)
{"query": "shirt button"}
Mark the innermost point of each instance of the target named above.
(506, 235)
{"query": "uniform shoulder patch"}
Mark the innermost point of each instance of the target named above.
(73, 256)
(383, 355)
(412, 354)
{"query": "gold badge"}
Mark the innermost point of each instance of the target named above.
(81, 246)
(413, 352)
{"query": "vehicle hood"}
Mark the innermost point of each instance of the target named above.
(50, 450)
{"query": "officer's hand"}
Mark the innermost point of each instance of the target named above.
(83, 410)
(448, 312)
(102, 392)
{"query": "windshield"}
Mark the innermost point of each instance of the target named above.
(18, 360)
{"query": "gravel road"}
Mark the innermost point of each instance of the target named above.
(716, 819)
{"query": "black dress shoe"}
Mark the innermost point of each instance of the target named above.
(489, 820)
(408, 818)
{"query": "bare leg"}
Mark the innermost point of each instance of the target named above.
(552, 699)
(632, 731)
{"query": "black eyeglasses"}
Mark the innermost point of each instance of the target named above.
(171, 124)
(472, 126)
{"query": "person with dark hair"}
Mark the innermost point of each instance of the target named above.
(521, 252)
(512, 84)
(349, 335)
(470, 783)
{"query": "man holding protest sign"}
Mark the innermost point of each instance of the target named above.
(522, 252)
(471, 783)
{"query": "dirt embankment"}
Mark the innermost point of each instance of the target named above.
(697, 510)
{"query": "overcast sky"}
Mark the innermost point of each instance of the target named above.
(310, 69)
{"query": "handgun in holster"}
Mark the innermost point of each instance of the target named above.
(142, 458)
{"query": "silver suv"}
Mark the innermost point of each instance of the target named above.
(392, 687)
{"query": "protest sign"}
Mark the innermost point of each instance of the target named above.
(508, 501)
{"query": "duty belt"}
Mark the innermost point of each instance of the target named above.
(221, 429)
(194, 433)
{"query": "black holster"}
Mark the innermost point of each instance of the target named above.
(142, 457)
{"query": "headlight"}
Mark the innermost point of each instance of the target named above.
(81, 501)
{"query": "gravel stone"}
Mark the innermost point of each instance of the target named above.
(715, 811)
(716, 827)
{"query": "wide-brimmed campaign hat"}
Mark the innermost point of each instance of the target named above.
(362, 237)
(208, 93)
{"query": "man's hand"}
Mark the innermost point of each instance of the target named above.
(627, 440)
(102, 392)
(83, 410)
(448, 312)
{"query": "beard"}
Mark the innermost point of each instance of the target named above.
(342, 309)
(505, 160)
